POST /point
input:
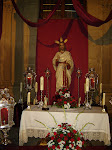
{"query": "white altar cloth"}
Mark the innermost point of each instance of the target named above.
(29, 127)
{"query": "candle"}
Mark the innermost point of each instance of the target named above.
(45, 101)
(84, 87)
(20, 86)
(100, 88)
(92, 83)
(41, 83)
(103, 99)
(87, 84)
(29, 80)
(36, 87)
(28, 98)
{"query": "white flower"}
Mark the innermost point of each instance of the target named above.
(79, 143)
(61, 142)
(66, 95)
(60, 93)
(65, 106)
(68, 105)
(50, 143)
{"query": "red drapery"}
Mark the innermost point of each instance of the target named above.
(77, 44)
(85, 16)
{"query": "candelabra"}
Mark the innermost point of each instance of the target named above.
(29, 79)
(93, 78)
(78, 74)
(87, 104)
(47, 74)
(41, 99)
(29, 82)
(7, 104)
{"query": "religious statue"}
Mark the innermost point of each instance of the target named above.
(63, 65)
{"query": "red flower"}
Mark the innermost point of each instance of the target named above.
(69, 134)
(82, 142)
(72, 144)
(65, 138)
(72, 140)
(81, 133)
(64, 128)
(74, 131)
(52, 137)
(58, 146)
(59, 125)
(67, 147)
(65, 102)
(78, 139)
(59, 140)
(77, 147)
(61, 135)
(55, 133)
(53, 146)
(48, 134)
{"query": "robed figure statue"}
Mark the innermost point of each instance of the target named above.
(63, 65)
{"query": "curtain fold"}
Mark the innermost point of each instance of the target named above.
(34, 24)
(1, 16)
(86, 17)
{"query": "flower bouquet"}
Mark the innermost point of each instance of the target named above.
(64, 99)
(65, 137)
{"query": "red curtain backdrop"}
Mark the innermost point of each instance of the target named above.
(77, 44)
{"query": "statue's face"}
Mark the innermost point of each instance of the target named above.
(62, 47)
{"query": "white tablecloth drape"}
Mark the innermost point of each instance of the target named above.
(29, 127)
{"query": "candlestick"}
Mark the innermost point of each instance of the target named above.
(20, 86)
(41, 83)
(29, 80)
(85, 88)
(79, 101)
(28, 98)
(100, 88)
(103, 103)
(87, 104)
(87, 84)
(36, 87)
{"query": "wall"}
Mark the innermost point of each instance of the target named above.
(100, 45)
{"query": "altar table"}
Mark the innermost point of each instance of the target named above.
(29, 127)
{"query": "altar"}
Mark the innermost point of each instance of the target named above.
(29, 127)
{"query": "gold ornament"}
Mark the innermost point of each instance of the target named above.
(61, 41)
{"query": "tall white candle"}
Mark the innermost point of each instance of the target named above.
(103, 103)
(36, 87)
(100, 88)
(41, 83)
(20, 86)
(45, 101)
(87, 84)
(84, 87)
(28, 98)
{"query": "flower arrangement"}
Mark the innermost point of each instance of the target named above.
(65, 137)
(64, 99)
